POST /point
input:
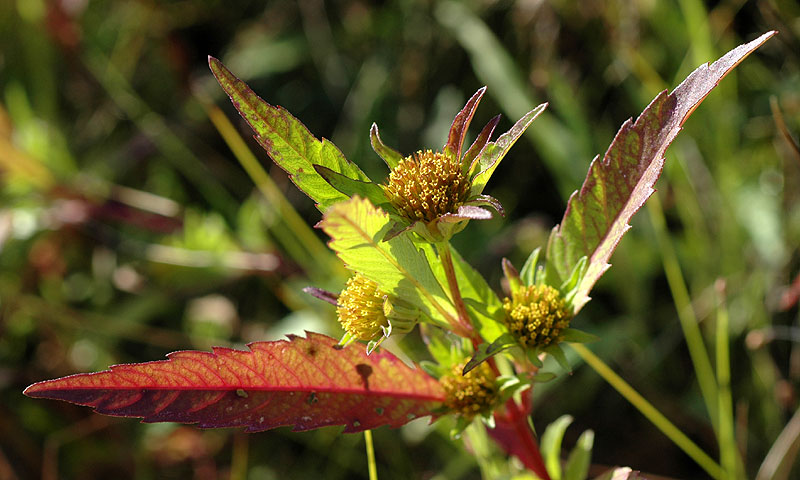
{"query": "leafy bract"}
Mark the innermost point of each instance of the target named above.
(303, 382)
(617, 185)
(288, 141)
(357, 229)
(488, 160)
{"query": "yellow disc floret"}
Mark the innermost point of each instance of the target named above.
(472, 393)
(427, 185)
(360, 308)
(536, 315)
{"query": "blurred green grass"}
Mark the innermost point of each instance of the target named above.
(128, 229)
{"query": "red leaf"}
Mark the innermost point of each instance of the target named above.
(617, 185)
(303, 382)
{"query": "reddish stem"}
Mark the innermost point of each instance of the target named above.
(517, 436)
(465, 324)
(533, 460)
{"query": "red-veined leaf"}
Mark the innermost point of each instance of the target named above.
(617, 185)
(303, 382)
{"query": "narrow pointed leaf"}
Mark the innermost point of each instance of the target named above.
(350, 187)
(495, 151)
(617, 185)
(305, 383)
(479, 145)
(357, 229)
(487, 350)
(458, 130)
(389, 155)
(288, 141)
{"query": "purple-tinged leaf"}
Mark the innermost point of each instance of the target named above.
(617, 185)
(470, 158)
(490, 158)
(486, 200)
(303, 382)
(467, 212)
(323, 295)
(458, 130)
(389, 155)
(288, 141)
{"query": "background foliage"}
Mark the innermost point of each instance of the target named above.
(128, 229)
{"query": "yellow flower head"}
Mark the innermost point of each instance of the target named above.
(536, 315)
(427, 185)
(470, 394)
(360, 308)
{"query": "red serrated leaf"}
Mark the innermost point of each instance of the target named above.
(618, 184)
(303, 382)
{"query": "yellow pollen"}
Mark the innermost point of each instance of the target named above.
(427, 185)
(536, 315)
(472, 393)
(360, 308)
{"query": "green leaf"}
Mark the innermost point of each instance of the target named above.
(495, 151)
(558, 354)
(389, 155)
(577, 336)
(288, 141)
(356, 228)
(350, 187)
(551, 445)
(488, 350)
(617, 185)
(580, 458)
(473, 153)
(483, 305)
(528, 272)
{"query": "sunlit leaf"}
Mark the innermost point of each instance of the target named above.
(357, 229)
(617, 185)
(305, 383)
(288, 141)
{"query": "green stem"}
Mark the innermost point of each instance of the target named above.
(371, 465)
(726, 438)
(686, 315)
(649, 411)
(464, 322)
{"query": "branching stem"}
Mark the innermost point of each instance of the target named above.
(464, 322)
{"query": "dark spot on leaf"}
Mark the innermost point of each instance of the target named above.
(311, 351)
(312, 398)
(379, 410)
(338, 346)
(364, 371)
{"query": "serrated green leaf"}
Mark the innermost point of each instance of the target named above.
(288, 142)
(490, 158)
(389, 155)
(350, 187)
(580, 458)
(617, 185)
(551, 445)
(356, 228)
